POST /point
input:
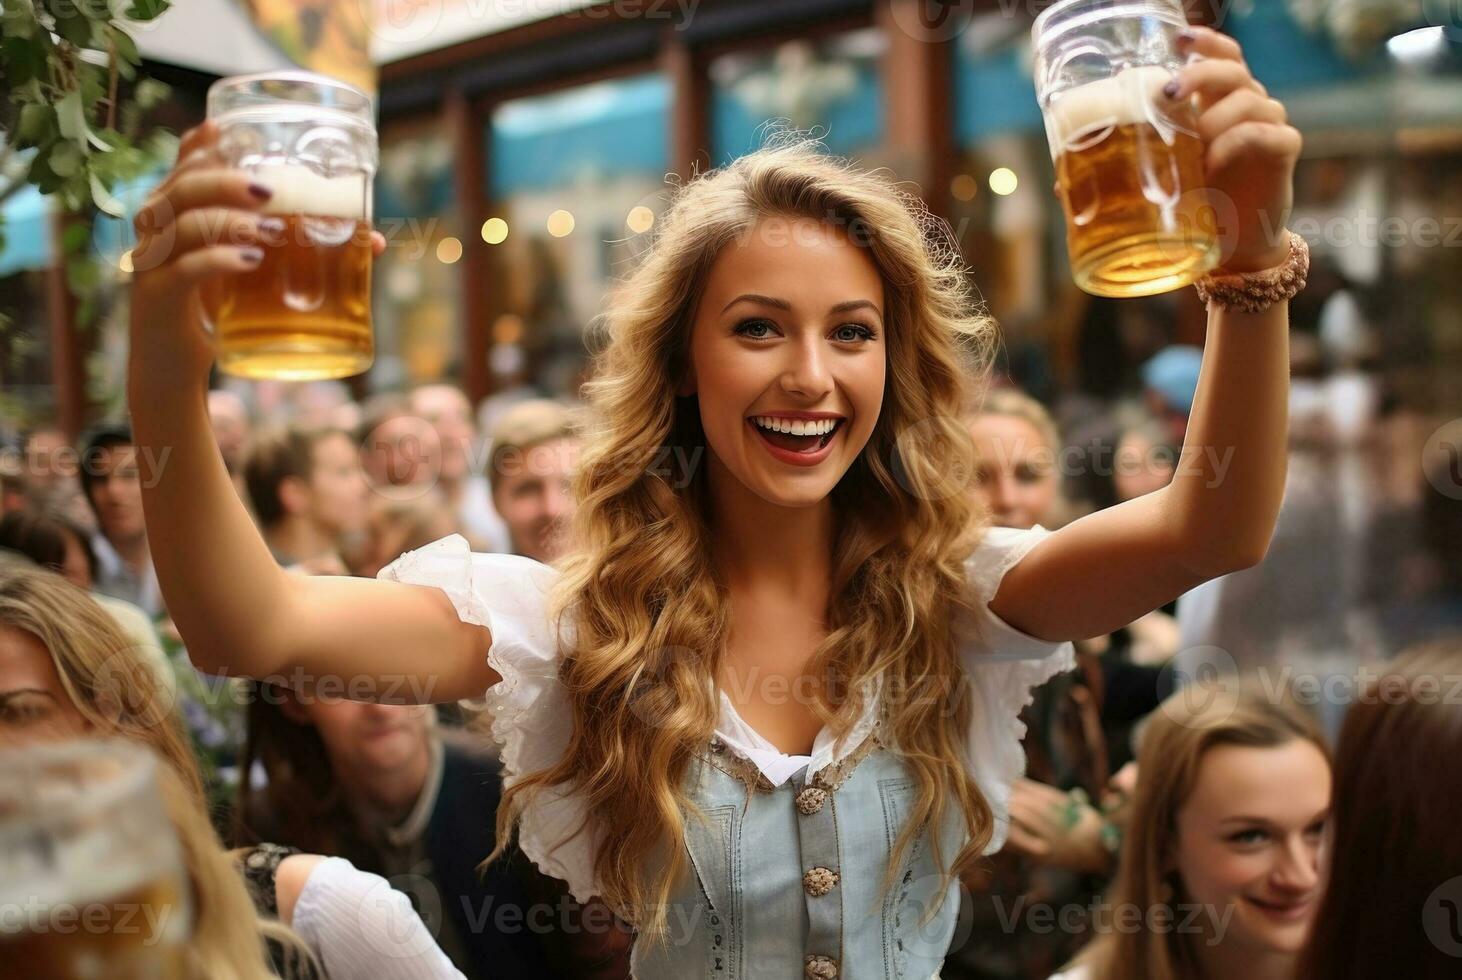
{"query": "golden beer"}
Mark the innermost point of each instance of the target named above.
(1138, 220)
(1128, 159)
(305, 311)
(132, 936)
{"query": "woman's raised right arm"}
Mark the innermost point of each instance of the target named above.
(238, 611)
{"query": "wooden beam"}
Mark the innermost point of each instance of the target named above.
(467, 128)
(689, 142)
(68, 373)
(918, 115)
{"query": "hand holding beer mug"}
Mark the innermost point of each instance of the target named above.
(92, 882)
(262, 229)
(304, 311)
(1135, 158)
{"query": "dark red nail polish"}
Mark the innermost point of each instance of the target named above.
(1171, 89)
(261, 192)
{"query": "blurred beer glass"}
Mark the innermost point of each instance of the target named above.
(305, 312)
(92, 882)
(1129, 161)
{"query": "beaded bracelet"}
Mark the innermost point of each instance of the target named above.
(1255, 292)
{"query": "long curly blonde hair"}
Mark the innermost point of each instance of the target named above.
(649, 609)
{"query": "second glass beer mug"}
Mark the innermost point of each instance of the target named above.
(92, 876)
(1129, 161)
(305, 312)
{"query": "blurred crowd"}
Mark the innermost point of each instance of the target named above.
(1138, 790)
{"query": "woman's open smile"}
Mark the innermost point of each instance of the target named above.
(797, 438)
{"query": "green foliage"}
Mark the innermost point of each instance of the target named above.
(72, 100)
(64, 65)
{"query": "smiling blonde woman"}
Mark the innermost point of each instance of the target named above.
(767, 707)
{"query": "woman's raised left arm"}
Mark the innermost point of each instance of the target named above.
(1218, 513)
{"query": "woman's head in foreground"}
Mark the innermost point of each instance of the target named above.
(785, 291)
(1223, 844)
(68, 672)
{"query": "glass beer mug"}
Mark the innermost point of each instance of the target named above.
(92, 879)
(1129, 161)
(305, 312)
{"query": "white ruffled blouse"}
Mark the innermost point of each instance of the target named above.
(532, 722)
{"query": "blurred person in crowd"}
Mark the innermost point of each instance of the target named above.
(112, 482)
(56, 544)
(1018, 447)
(51, 477)
(315, 404)
(399, 526)
(1118, 454)
(229, 417)
(466, 488)
(1220, 867)
(1060, 848)
(1393, 902)
(401, 452)
(309, 496)
(1170, 382)
(535, 447)
(379, 785)
(67, 672)
(1144, 459)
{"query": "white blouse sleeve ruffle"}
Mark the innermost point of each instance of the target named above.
(531, 718)
(1004, 665)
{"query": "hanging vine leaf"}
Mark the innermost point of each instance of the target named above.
(72, 113)
(147, 9)
(37, 125)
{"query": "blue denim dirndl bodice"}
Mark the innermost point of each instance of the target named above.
(788, 881)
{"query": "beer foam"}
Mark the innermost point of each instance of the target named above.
(300, 190)
(1084, 114)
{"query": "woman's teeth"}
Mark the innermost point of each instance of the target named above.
(796, 435)
(796, 427)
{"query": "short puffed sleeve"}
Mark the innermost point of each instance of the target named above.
(1004, 666)
(530, 712)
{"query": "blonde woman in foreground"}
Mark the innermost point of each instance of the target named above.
(785, 641)
(67, 671)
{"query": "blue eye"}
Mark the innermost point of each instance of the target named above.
(744, 327)
(863, 333)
